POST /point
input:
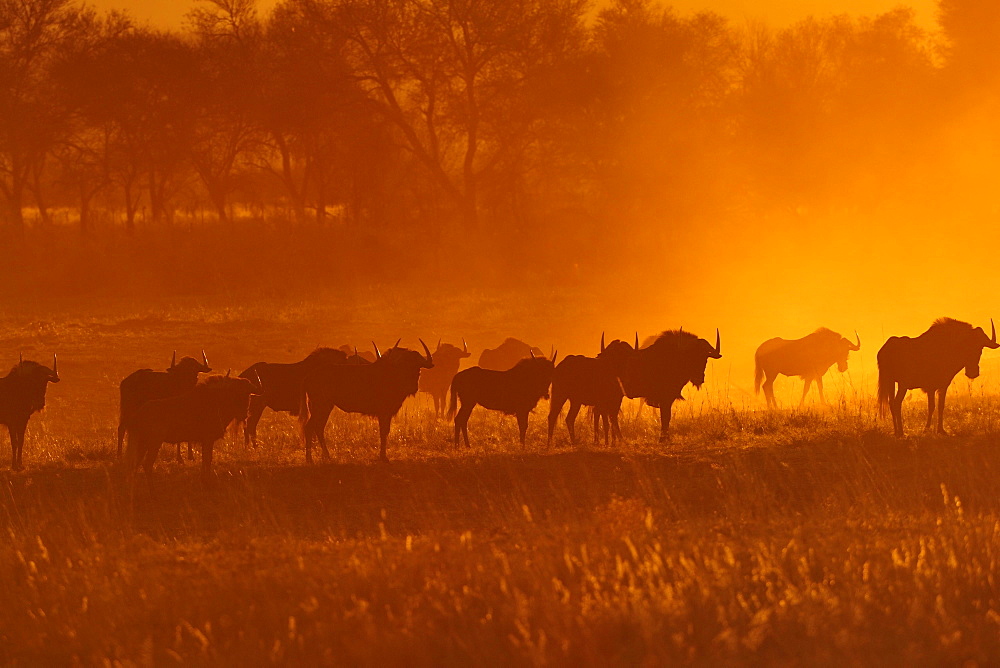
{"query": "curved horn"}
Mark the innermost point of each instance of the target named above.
(228, 372)
(718, 343)
(378, 353)
(532, 353)
(555, 354)
(465, 346)
(173, 360)
(55, 365)
(20, 359)
(204, 358)
(430, 360)
(993, 336)
(602, 342)
(857, 346)
(396, 344)
(439, 345)
(637, 340)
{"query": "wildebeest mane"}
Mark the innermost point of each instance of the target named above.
(27, 368)
(323, 354)
(948, 327)
(676, 338)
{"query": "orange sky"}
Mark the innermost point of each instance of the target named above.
(171, 12)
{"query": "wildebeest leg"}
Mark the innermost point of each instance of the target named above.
(597, 426)
(555, 407)
(257, 405)
(943, 391)
(616, 431)
(190, 452)
(805, 391)
(574, 410)
(769, 391)
(930, 410)
(316, 425)
(462, 422)
(384, 423)
(819, 386)
(896, 408)
(121, 436)
(522, 424)
(13, 447)
(20, 445)
(665, 409)
(206, 457)
(148, 455)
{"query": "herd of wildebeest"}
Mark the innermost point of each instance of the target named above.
(175, 406)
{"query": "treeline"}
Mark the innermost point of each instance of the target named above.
(436, 120)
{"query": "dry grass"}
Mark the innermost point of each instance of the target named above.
(792, 537)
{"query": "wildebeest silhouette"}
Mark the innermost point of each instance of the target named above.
(22, 392)
(660, 371)
(512, 392)
(377, 389)
(507, 354)
(591, 381)
(284, 386)
(145, 385)
(808, 358)
(929, 362)
(200, 415)
(437, 380)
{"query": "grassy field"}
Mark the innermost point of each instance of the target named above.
(790, 537)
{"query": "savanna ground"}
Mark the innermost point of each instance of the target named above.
(788, 537)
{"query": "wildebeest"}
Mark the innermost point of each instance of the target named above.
(512, 392)
(199, 415)
(591, 381)
(145, 384)
(658, 372)
(437, 380)
(929, 362)
(22, 392)
(808, 358)
(377, 389)
(284, 385)
(507, 354)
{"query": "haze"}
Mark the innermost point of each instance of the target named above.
(626, 168)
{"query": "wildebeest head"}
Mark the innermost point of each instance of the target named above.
(538, 371)
(973, 345)
(407, 357)
(674, 359)
(32, 379)
(188, 366)
(835, 347)
(617, 353)
(445, 352)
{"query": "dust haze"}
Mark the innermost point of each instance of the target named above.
(560, 171)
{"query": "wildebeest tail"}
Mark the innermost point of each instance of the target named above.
(452, 401)
(758, 374)
(886, 388)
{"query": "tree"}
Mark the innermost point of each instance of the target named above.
(445, 73)
(32, 35)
